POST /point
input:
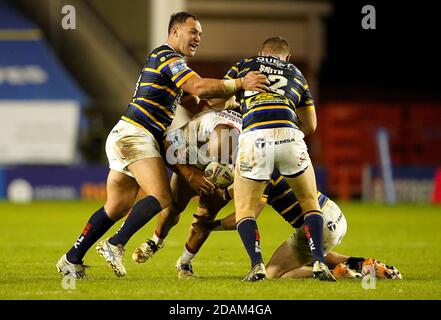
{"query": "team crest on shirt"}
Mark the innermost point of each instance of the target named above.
(177, 66)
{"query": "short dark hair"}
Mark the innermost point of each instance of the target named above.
(178, 18)
(276, 45)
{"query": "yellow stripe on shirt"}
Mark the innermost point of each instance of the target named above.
(152, 70)
(299, 82)
(133, 122)
(154, 85)
(148, 115)
(178, 74)
(268, 122)
(267, 108)
(297, 93)
(185, 78)
(156, 105)
(162, 66)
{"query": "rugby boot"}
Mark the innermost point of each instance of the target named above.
(342, 271)
(382, 271)
(113, 256)
(321, 271)
(71, 269)
(145, 251)
(257, 273)
(184, 270)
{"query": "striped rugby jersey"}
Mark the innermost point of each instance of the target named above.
(275, 109)
(280, 196)
(158, 92)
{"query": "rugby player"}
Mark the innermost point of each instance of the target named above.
(272, 138)
(133, 145)
(204, 139)
(293, 256)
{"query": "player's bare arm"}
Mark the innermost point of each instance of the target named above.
(210, 88)
(307, 120)
(194, 176)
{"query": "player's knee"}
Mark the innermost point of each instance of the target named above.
(117, 209)
(273, 272)
(164, 200)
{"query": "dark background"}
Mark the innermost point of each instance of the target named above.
(400, 57)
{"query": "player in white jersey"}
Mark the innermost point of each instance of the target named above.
(190, 146)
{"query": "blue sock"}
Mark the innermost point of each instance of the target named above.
(142, 212)
(314, 234)
(96, 227)
(249, 234)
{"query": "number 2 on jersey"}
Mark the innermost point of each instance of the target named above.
(279, 82)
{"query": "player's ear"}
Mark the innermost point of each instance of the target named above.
(288, 57)
(175, 31)
(260, 54)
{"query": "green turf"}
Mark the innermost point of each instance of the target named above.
(33, 237)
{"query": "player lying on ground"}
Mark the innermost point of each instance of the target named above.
(292, 258)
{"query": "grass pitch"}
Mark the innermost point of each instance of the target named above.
(33, 237)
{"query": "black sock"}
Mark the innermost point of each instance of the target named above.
(142, 212)
(355, 263)
(314, 234)
(96, 227)
(249, 234)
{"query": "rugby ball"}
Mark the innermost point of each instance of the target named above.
(220, 174)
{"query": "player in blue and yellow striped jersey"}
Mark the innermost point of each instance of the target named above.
(279, 108)
(133, 145)
(274, 125)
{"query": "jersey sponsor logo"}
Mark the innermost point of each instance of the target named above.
(266, 99)
(274, 61)
(177, 66)
(284, 141)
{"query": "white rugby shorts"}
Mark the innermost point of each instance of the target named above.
(263, 150)
(127, 143)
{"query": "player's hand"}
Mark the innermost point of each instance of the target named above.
(255, 81)
(199, 183)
